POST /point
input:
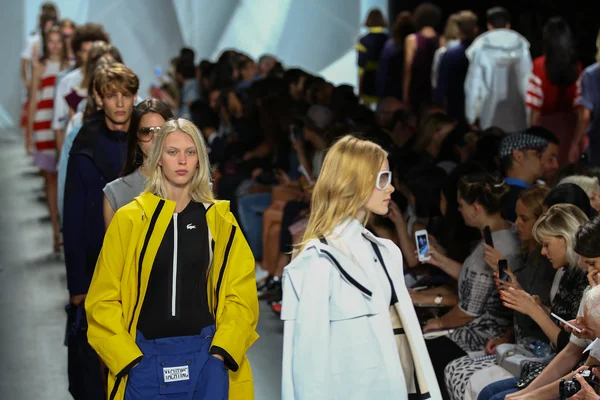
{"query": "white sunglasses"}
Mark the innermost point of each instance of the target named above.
(384, 179)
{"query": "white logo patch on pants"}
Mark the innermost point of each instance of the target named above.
(176, 374)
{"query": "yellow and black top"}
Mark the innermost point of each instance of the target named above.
(121, 279)
(369, 49)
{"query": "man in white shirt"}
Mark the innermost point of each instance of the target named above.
(83, 39)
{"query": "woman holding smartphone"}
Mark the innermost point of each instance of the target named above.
(344, 300)
(172, 307)
(531, 291)
(479, 314)
(555, 231)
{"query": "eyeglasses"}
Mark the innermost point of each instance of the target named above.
(384, 179)
(146, 134)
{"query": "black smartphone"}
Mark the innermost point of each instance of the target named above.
(502, 268)
(487, 236)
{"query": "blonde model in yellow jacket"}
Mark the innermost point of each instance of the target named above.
(180, 177)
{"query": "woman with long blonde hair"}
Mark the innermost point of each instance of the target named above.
(172, 307)
(350, 328)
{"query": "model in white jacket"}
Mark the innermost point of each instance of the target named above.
(339, 342)
(496, 82)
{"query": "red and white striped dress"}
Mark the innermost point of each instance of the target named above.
(43, 135)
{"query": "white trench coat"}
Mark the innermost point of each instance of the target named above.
(338, 337)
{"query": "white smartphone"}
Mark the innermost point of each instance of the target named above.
(304, 172)
(422, 241)
(565, 322)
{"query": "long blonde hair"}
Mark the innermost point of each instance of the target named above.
(561, 220)
(345, 184)
(200, 186)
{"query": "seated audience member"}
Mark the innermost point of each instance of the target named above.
(590, 185)
(549, 156)
(208, 123)
(433, 131)
(190, 89)
(570, 193)
(248, 74)
(295, 79)
(458, 147)
(521, 165)
(592, 304)
(546, 385)
(554, 230)
(309, 145)
(425, 194)
(487, 151)
(479, 315)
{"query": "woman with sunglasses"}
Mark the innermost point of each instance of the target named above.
(147, 117)
(345, 303)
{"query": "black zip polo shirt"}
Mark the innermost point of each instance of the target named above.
(176, 301)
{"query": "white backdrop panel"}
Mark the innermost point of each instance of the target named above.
(316, 35)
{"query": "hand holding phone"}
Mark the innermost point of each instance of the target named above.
(565, 322)
(502, 268)
(487, 236)
(422, 242)
(304, 172)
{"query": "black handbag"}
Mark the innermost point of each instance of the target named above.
(530, 371)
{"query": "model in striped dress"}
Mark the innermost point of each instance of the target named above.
(40, 139)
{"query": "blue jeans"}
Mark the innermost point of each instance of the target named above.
(498, 390)
(250, 209)
(178, 368)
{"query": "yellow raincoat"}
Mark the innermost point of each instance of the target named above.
(120, 280)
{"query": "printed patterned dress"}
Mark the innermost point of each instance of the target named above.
(43, 135)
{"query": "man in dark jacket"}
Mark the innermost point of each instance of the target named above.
(96, 158)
